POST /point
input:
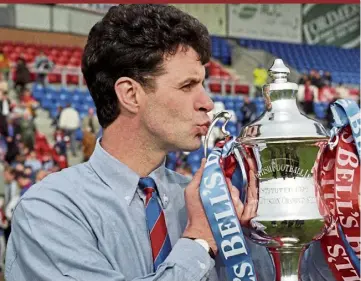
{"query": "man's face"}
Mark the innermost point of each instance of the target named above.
(175, 114)
(91, 111)
(23, 181)
(8, 176)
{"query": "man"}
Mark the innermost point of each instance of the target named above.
(43, 66)
(90, 122)
(143, 65)
(260, 78)
(69, 122)
(4, 65)
(249, 110)
(28, 130)
(89, 222)
(4, 85)
(90, 130)
(88, 144)
(11, 190)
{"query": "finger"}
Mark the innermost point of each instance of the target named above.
(239, 208)
(229, 184)
(237, 203)
(198, 175)
(250, 160)
(252, 193)
(234, 193)
(250, 211)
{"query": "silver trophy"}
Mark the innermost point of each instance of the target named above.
(280, 149)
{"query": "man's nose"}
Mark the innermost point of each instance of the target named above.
(205, 103)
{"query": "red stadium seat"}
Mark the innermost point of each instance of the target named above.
(72, 79)
(215, 87)
(241, 89)
(13, 57)
(74, 62)
(62, 61)
(19, 49)
(54, 78)
(54, 52)
(65, 53)
(31, 51)
(224, 74)
(8, 49)
(77, 54)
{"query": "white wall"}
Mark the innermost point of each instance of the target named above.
(32, 16)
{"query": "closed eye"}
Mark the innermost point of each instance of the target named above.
(188, 87)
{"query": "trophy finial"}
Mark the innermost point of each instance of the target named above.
(279, 72)
(281, 118)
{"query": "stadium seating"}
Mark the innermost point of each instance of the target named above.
(221, 81)
(69, 59)
(344, 64)
(52, 97)
(221, 50)
(60, 55)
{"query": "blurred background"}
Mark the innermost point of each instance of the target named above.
(47, 117)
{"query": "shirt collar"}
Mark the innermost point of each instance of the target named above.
(123, 180)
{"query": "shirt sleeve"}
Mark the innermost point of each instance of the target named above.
(52, 241)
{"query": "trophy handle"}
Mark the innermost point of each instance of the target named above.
(334, 134)
(223, 114)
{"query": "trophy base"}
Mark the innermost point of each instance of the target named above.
(288, 263)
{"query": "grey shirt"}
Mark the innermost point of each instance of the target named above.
(88, 223)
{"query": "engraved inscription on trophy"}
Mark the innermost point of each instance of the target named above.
(287, 185)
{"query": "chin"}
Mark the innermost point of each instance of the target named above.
(191, 145)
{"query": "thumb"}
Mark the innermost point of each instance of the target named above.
(198, 175)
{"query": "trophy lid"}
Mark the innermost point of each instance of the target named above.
(282, 120)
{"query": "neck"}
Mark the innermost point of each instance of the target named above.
(127, 143)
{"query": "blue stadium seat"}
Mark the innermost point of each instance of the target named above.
(320, 109)
(239, 114)
(171, 161)
(342, 63)
(221, 50)
(79, 135)
(232, 128)
(229, 104)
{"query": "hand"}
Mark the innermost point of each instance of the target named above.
(198, 226)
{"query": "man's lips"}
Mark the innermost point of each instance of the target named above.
(203, 128)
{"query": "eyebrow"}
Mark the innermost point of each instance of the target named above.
(190, 80)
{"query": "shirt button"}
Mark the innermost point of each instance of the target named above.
(127, 198)
(165, 199)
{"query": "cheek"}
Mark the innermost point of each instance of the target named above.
(170, 116)
(175, 110)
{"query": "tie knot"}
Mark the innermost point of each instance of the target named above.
(147, 184)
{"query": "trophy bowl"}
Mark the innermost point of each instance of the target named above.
(280, 149)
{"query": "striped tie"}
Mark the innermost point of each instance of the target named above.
(158, 234)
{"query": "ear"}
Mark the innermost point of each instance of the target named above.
(127, 91)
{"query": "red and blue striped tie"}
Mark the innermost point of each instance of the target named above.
(157, 227)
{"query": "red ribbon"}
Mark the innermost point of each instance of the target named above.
(337, 175)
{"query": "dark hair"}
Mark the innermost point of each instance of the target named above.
(132, 40)
(9, 169)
